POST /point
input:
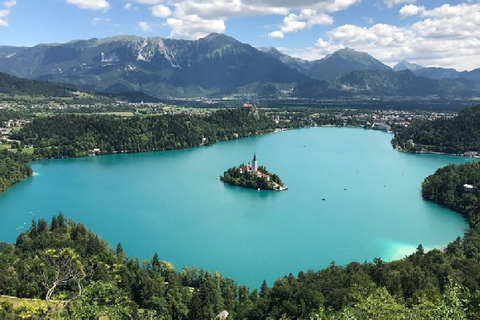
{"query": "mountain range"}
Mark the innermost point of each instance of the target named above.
(220, 66)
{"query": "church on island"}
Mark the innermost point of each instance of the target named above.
(253, 176)
(253, 168)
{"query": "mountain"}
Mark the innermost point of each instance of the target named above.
(449, 73)
(219, 66)
(11, 85)
(388, 83)
(405, 65)
(402, 83)
(156, 66)
(344, 61)
(438, 73)
(301, 65)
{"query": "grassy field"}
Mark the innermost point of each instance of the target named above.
(118, 113)
(28, 150)
(19, 302)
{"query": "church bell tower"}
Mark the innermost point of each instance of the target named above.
(254, 163)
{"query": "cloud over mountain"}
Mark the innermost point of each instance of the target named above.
(90, 4)
(448, 35)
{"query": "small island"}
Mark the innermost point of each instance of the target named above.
(253, 176)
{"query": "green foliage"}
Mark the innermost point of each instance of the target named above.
(13, 85)
(446, 187)
(70, 135)
(264, 180)
(457, 135)
(13, 168)
(102, 299)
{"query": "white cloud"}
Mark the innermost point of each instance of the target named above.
(223, 9)
(307, 18)
(161, 11)
(338, 5)
(145, 26)
(369, 20)
(314, 18)
(410, 10)
(9, 4)
(148, 1)
(192, 27)
(446, 36)
(4, 13)
(323, 5)
(448, 11)
(291, 23)
(96, 21)
(276, 34)
(391, 3)
(128, 6)
(211, 15)
(90, 4)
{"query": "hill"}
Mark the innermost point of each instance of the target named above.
(11, 85)
(456, 135)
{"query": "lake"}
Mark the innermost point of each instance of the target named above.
(351, 197)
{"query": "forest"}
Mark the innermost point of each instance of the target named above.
(448, 135)
(13, 85)
(242, 178)
(13, 168)
(78, 276)
(70, 135)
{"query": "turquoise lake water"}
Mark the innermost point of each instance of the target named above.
(172, 203)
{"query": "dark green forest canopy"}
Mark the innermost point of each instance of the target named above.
(74, 135)
(13, 85)
(449, 135)
(13, 168)
(447, 187)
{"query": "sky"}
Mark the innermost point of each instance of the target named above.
(435, 33)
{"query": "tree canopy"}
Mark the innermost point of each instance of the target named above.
(449, 135)
(68, 135)
(13, 168)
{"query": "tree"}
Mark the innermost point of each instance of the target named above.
(61, 267)
(102, 299)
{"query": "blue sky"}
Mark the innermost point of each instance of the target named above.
(427, 32)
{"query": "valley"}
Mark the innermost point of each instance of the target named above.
(118, 118)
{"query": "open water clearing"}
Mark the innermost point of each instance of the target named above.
(351, 197)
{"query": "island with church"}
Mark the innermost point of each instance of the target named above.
(253, 176)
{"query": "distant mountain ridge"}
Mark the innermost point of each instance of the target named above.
(344, 61)
(13, 85)
(295, 63)
(154, 65)
(406, 65)
(221, 66)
